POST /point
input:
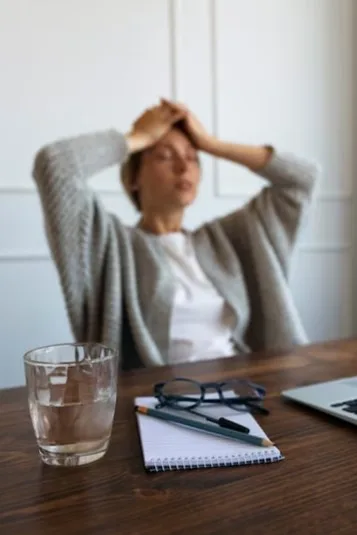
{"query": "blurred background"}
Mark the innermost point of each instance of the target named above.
(260, 71)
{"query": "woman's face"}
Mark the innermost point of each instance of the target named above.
(169, 174)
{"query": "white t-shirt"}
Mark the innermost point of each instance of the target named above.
(201, 321)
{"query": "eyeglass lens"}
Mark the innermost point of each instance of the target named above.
(186, 393)
(182, 393)
(242, 389)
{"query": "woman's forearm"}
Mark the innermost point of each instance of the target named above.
(80, 157)
(255, 157)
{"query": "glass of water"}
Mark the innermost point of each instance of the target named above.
(72, 390)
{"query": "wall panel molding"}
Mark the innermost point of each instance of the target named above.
(214, 88)
(310, 248)
(328, 196)
(174, 30)
(203, 53)
(24, 256)
(325, 248)
(32, 190)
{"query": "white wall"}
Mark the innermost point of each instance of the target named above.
(277, 71)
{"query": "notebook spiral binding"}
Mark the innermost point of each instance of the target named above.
(187, 463)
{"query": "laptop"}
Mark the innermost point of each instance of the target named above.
(337, 398)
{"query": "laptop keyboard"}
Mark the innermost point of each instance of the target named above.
(348, 406)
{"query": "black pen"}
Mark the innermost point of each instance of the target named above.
(222, 422)
(200, 426)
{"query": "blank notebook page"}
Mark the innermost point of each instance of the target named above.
(169, 446)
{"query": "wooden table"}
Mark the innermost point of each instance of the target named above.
(312, 491)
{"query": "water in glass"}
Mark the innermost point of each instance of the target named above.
(72, 397)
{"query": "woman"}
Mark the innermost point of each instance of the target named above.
(157, 292)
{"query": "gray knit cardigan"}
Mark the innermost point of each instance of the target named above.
(117, 283)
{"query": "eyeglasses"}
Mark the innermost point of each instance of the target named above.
(186, 394)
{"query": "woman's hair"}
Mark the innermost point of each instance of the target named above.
(128, 173)
(129, 170)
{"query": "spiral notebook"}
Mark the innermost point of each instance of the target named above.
(168, 446)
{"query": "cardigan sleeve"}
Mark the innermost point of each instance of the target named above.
(280, 206)
(77, 224)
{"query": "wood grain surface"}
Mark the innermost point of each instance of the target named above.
(313, 491)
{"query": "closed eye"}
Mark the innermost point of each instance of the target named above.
(167, 155)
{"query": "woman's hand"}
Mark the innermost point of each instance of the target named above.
(199, 135)
(153, 124)
(253, 157)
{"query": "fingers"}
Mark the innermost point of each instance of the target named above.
(178, 116)
(167, 108)
(160, 117)
(170, 113)
(165, 111)
(179, 111)
(175, 105)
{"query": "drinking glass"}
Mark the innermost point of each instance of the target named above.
(72, 390)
